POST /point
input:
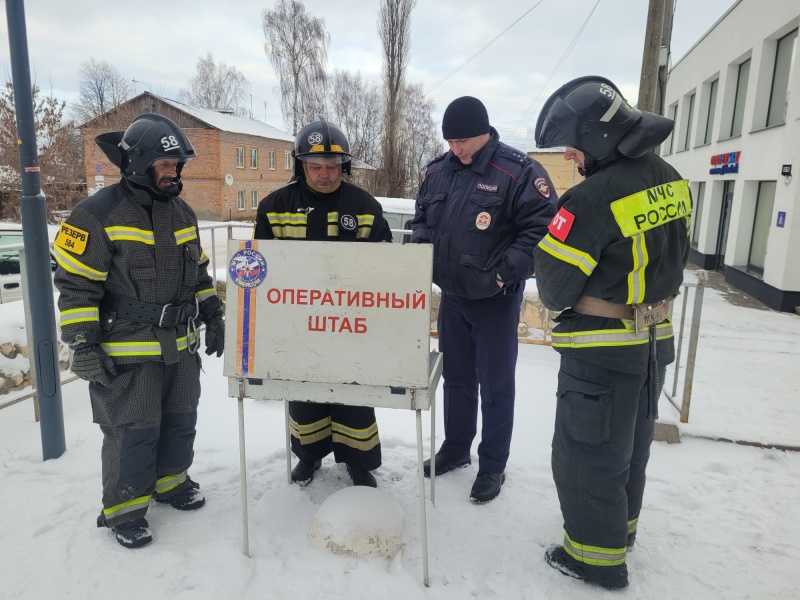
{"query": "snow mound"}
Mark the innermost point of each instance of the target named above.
(360, 521)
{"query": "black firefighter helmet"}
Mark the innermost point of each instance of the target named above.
(321, 139)
(590, 114)
(149, 138)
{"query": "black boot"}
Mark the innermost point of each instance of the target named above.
(303, 473)
(444, 464)
(610, 578)
(134, 534)
(190, 499)
(631, 541)
(486, 487)
(364, 478)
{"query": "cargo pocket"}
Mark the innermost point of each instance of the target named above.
(191, 258)
(584, 409)
(434, 208)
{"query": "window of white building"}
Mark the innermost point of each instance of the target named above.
(670, 141)
(710, 110)
(781, 75)
(739, 99)
(697, 213)
(761, 223)
(688, 104)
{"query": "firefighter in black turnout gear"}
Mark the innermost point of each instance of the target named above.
(134, 288)
(612, 261)
(318, 205)
(484, 206)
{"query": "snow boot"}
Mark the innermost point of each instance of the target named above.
(134, 534)
(444, 464)
(364, 478)
(610, 578)
(303, 473)
(188, 499)
(486, 487)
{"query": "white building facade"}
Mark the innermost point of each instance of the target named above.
(735, 99)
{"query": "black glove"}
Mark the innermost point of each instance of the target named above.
(90, 362)
(215, 336)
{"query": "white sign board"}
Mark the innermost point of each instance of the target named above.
(329, 313)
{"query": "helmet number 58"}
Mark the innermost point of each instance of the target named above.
(169, 142)
(607, 90)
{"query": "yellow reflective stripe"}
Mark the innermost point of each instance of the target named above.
(294, 233)
(131, 234)
(594, 555)
(170, 482)
(363, 434)
(127, 507)
(333, 230)
(203, 257)
(609, 337)
(144, 348)
(365, 220)
(204, 294)
(79, 315)
(287, 218)
(72, 265)
(333, 217)
(652, 207)
(636, 282)
(185, 235)
(311, 432)
(632, 525)
(360, 439)
(568, 254)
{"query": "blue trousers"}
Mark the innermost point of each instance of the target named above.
(478, 339)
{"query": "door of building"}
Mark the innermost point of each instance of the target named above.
(724, 222)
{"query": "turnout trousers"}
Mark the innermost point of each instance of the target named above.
(478, 339)
(600, 450)
(350, 432)
(148, 416)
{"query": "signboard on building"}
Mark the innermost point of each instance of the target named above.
(722, 164)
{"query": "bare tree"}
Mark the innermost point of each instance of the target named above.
(297, 46)
(217, 85)
(59, 146)
(356, 106)
(420, 141)
(394, 25)
(101, 87)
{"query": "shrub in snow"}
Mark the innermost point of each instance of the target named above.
(360, 521)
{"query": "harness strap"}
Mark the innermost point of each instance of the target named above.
(161, 315)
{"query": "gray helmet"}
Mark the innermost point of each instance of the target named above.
(590, 114)
(149, 138)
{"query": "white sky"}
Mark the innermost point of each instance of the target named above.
(159, 43)
(719, 520)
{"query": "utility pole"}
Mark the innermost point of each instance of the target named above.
(666, 50)
(648, 81)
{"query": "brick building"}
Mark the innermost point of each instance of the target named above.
(256, 156)
(564, 173)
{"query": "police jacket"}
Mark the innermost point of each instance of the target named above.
(483, 219)
(621, 235)
(121, 245)
(296, 212)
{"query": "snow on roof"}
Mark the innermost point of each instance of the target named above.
(230, 123)
(397, 205)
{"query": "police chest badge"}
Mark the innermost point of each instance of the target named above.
(483, 220)
(348, 222)
(248, 268)
(543, 187)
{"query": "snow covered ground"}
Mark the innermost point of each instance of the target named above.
(719, 520)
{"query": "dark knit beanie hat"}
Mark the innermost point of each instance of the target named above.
(465, 117)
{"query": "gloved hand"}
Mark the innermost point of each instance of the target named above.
(90, 362)
(215, 336)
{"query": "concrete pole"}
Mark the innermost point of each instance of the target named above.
(652, 46)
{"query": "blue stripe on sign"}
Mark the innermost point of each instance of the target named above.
(246, 325)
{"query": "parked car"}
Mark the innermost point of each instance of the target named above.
(10, 272)
(398, 212)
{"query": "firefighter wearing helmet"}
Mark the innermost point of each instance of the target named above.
(317, 204)
(134, 288)
(611, 262)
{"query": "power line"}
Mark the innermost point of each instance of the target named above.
(558, 66)
(492, 41)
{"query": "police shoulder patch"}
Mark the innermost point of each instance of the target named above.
(543, 187)
(71, 238)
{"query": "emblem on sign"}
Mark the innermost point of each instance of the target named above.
(248, 268)
(315, 138)
(348, 222)
(483, 220)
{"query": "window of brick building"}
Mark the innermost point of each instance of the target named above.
(272, 160)
(288, 160)
(253, 158)
(240, 157)
(254, 199)
(240, 195)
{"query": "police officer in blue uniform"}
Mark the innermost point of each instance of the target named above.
(484, 206)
